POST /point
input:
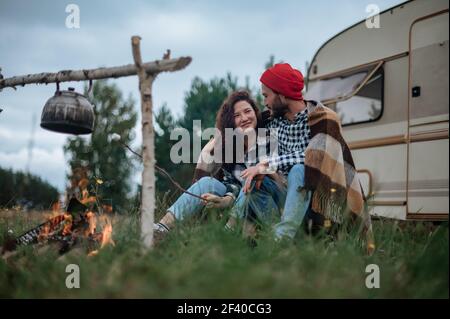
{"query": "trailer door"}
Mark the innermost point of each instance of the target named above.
(428, 120)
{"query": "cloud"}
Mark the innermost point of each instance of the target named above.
(236, 36)
(5, 134)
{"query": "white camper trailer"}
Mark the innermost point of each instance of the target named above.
(388, 81)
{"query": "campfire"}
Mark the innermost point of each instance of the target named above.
(83, 223)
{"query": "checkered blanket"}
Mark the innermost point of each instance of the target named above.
(330, 171)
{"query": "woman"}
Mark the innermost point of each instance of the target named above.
(240, 114)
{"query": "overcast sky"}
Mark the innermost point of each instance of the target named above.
(220, 36)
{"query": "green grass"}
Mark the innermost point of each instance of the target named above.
(201, 260)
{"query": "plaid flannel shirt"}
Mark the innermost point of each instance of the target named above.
(232, 173)
(293, 138)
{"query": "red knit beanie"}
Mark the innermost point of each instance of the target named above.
(285, 80)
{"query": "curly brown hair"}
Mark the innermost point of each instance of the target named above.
(225, 115)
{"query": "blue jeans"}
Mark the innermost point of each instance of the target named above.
(297, 203)
(265, 203)
(272, 201)
(187, 206)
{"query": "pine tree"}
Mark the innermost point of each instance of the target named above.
(104, 159)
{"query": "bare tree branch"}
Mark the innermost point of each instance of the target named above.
(154, 67)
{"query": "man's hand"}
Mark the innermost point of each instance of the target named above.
(214, 201)
(258, 180)
(253, 173)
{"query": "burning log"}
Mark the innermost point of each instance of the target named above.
(75, 229)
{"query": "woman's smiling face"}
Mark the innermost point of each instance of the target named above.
(244, 116)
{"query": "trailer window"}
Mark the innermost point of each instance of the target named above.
(335, 88)
(366, 105)
(357, 96)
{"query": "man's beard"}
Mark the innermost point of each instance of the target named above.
(279, 109)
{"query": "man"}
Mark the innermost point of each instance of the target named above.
(312, 154)
(282, 90)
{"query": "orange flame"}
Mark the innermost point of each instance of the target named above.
(85, 198)
(80, 187)
(56, 207)
(93, 253)
(92, 223)
(107, 235)
(43, 234)
(56, 210)
(67, 224)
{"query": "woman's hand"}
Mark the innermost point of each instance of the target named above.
(214, 201)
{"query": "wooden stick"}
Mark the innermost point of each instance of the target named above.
(155, 67)
(148, 146)
(165, 173)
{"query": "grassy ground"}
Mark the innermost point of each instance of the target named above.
(201, 260)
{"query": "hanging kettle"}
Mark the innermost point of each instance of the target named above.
(68, 112)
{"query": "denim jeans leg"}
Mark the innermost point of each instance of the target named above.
(266, 202)
(186, 205)
(240, 207)
(297, 203)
